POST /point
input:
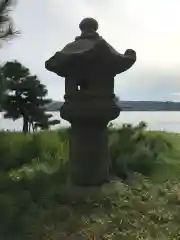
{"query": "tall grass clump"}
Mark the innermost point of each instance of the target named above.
(132, 149)
(32, 168)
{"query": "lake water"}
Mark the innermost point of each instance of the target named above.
(168, 121)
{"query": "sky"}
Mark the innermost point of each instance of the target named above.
(150, 27)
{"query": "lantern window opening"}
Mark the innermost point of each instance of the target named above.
(82, 85)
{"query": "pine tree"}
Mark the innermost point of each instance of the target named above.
(6, 24)
(26, 96)
(6, 31)
(2, 90)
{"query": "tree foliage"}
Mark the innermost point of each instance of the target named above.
(26, 97)
(2, 90)
(6, 24)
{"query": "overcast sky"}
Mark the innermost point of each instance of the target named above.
(150, 27)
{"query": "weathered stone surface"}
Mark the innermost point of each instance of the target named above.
(89, 65)
(90, 52)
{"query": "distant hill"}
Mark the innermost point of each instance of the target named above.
(131, 106)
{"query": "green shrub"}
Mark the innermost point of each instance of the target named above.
(14, 150)
(33, 166)
(17, 149)
(134, 150)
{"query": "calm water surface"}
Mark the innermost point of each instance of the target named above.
(168, 121)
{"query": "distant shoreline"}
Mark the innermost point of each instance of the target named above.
(147, 106)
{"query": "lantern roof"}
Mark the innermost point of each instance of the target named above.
(89, 51)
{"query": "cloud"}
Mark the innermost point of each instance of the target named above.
(150, 27)
(176, 94)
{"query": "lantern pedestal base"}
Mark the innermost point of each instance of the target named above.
(89, 154)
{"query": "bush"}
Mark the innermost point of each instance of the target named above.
(17, 149)
(14, 150)
(134, 150)
(32, 167)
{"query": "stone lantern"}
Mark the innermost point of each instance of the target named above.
(89, 65)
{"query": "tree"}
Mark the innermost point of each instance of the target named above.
(25, 97)
(6, 31)
(6, 24)
(2, 90)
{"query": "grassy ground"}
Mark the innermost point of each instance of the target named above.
(145, 208)
(141, 208)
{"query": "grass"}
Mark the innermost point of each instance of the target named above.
(37, 202)
(171, 169)
(140, 211)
